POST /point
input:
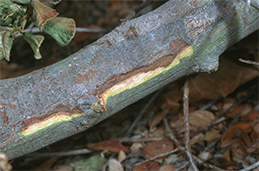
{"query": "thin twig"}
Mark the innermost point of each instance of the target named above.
(133, 13)
(148, 139)
(248, 62)
(251, 167)
(184, 165)
(221, 117)
(187, 126)
(142, 112)
(78, 29)
(253, 122)
(52, 2)
(255, 4)
(171, 135)
(160, 155)
(90, 30)
(207, 105)
(211, 145)
(61, 154)
(207, 164)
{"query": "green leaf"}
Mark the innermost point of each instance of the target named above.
(3, 9)
(7, 2)
(11, 14)
(61, 29)
(93, 163)
(35, 43)
(18, 9)
(6, 42)
(24, 2)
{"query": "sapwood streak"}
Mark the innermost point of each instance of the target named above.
(149, 50)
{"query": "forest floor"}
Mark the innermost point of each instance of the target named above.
(150, 134)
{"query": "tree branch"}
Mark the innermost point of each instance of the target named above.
(135, 59)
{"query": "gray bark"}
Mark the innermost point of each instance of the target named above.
(73, 95)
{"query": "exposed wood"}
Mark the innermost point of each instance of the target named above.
(134, 60)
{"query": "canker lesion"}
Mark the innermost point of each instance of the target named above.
(61, 113)
(140, 75)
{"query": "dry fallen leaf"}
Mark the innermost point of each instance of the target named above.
(212, 135)
(197, 138)
(226, 103)
(122, 156)
(227, 142)
(4, 164)
(254, 148)
(200, 118)
(157, 133)
(168, 167)
(255, 133)
(114, 165)
(172, 99)
(204, 156)
(135, 146)
(235, 130)
(147, 166)
(157, 119)
(226, 155)
(112, 146)
(43, 13)
(219, 84)
(157, 148)
(63, 168)
(244, 139)
(47, 165)
(240, 110)
(177, 125)
(251, 116)
(238, 152)
(224, 164)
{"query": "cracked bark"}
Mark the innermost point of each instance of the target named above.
(134, 60)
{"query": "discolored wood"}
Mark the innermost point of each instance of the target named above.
(177, 39)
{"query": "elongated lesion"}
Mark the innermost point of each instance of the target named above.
(57, 118)
(60, 113)
(141, 77)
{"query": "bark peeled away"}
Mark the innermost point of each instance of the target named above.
(134, 60)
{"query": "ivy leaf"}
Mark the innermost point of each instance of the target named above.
(7, 2)
(6, 42)
(43, 13)
(35, 43)
(24, 2)
(5, 11)
(61, 29)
